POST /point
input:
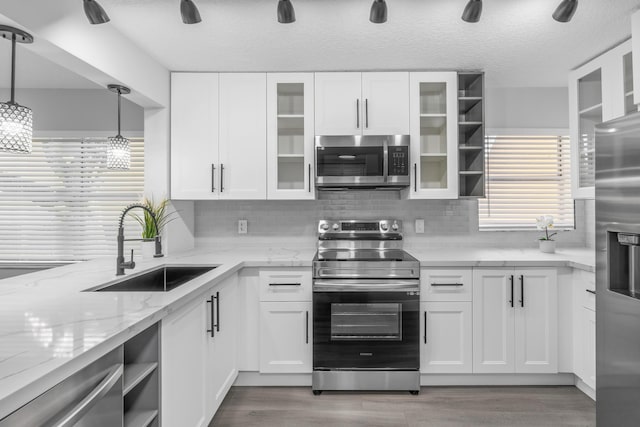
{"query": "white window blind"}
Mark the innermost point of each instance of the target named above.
(526, 176)
(62, 203)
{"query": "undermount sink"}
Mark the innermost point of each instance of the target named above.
(162, 279)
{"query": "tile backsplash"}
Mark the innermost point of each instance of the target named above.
(447, 223)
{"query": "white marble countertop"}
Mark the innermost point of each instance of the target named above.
(49, 328)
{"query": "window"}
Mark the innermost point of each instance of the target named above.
(62, 203)
(526, 176)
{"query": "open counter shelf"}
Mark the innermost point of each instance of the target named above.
(140, 418)
(136, 372)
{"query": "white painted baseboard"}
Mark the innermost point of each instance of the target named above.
(583, 387)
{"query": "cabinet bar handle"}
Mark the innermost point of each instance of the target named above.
(447, 284)
(521, 290)
(221, 177)
(309, 177)
(217, 311)
(213, 314)
(511, 300)
(590, 291)
(307, 326)
(357, 113)
(366, 113)
(213, 178)
(425, 327)
(285, 284)
(415, 177)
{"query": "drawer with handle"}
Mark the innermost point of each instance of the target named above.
(285, 285)
(445, 285)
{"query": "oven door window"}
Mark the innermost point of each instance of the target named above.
(350, 161)
(366, 322)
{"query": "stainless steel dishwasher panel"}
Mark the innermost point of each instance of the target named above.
(92, 397)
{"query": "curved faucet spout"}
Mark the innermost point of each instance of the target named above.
(120, 263)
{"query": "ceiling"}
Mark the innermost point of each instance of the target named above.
(516, 43)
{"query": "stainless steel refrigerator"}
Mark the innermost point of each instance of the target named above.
(618, 272)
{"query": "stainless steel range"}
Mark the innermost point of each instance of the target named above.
(365, 308)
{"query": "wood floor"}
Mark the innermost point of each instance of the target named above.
(434, 406)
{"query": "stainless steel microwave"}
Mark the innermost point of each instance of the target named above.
(368, 161)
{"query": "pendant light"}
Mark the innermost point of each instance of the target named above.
(564, 12)
(286, 14)
(95, 13)
(472, 11)
(16, 121)
(189, 12)
(378, 13)
(118, 152)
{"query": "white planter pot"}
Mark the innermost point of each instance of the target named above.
(148, 249)
(547, 246)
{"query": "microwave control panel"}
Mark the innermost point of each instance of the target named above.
(398, 161)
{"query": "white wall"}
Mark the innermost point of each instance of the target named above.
(527, 108)
(78, 110)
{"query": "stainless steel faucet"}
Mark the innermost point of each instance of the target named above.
(121, 265)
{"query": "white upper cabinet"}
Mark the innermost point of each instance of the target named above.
(218, 136)
(599, 91)
(290, 134)
(243, 145)
(434, 135)
(386, 103)
(362, 103)
(194, 135)
(635, 37)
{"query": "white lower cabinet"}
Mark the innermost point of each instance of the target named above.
(585, 327)
(285, 337)
(515, 318)
(197, 368)
(446, 337)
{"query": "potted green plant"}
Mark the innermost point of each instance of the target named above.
(149, 232)
(546, 243)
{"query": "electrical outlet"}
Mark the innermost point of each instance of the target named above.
(419, 226)
(242, 226)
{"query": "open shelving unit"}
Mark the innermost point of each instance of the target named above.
(471, 134)
(141, 383)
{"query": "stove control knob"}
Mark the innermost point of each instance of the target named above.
(394, 227)
(336, 227)
(384, 226)
(324, 226)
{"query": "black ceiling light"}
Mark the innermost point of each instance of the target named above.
(564, 12)
(16, 121)
(189, 12)
(95, 13)
(472, 11)
(286, 14)
(378, 13)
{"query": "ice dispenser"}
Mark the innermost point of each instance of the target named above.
(624, 263)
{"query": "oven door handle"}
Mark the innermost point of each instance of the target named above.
(366, 286)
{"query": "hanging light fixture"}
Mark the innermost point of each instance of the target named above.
(378, 13)
(95, 13)
(472, 11)
(564, 12)
(189, 12)
(118, 152)
(16, 121)
(286, 14)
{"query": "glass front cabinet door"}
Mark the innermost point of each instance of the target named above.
(434, 135)
(290, 136)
